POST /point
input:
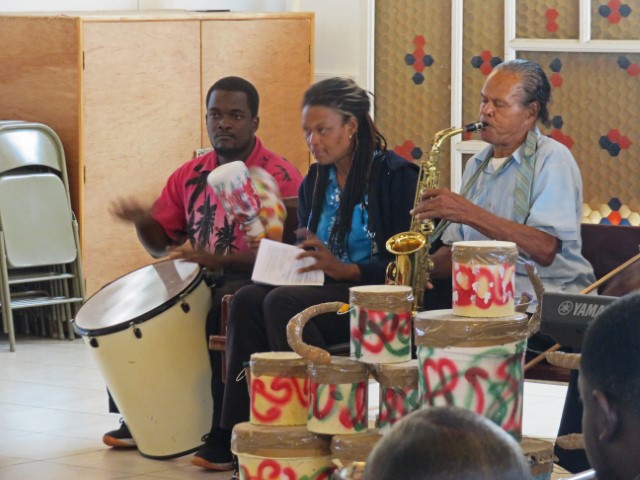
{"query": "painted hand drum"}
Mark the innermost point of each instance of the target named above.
(147, 334)
(399, 393)
(272, 211)
(483, 278)
(338, 397)
(239, 198)
(281, 453)
(279, 389)
(473, 363)
(381, 323)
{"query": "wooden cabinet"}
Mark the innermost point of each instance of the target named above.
(126, 92)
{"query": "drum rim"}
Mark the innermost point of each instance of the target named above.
(154, 312)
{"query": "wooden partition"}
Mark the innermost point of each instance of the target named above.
(125, 91)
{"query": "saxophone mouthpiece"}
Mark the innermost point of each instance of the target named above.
(474, 127)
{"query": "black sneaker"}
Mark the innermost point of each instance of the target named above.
(120, 438)
(215, 454)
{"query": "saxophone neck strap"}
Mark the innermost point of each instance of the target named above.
(523, 187)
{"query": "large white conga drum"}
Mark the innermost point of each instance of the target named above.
(146, 331)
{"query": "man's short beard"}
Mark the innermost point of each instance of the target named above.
(227, 152)
(231, 152)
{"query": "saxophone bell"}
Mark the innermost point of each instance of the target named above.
(411, 248)
(402, 245)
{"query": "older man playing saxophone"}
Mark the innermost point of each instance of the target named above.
(523, 188)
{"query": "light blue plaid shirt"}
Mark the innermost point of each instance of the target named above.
(556, 208)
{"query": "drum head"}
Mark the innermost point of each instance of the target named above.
(137, 296)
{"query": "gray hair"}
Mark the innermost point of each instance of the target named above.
(535, 84)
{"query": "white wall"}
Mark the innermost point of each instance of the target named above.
(343, 36)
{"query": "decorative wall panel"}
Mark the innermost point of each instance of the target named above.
(615, 19)
(594, 112)
(482, 49)
(595, 96)
(412, 75)
(548, 19)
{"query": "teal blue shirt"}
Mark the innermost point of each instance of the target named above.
(360, 247)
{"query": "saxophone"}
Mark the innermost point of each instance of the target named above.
(415, 243)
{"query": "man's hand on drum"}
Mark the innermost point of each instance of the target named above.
(444, 204)
(210, 261)
(326, 261)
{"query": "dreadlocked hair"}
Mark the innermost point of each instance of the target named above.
(345, 97)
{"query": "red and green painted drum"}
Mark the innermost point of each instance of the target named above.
(483, 278)
(279, 389)
(381, 323)
(291, 453)
(338, 397)
(473, 363)
(399, 393)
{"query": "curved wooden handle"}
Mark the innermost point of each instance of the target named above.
(296, 325)
(570, 361)
(573, 441)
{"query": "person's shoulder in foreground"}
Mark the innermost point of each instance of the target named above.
(610, 389)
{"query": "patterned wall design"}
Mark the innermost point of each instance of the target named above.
(482, 49)
(595, 95)
(548, 19)
(412, 75)
(615, 19)
(594, 112)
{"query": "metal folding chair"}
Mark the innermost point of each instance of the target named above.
(39, 248)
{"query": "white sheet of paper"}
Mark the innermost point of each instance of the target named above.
(276, 264)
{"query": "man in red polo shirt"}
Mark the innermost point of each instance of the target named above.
(188, 210)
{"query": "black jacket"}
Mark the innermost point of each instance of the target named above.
(395, 181)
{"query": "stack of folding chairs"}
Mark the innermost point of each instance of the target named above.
(40, 264)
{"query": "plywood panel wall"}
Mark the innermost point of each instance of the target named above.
(281, 80)
(141, 91)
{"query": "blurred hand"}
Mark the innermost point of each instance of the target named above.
(254, 242)
(128, 209)
(326, 261)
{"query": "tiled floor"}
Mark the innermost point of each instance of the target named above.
(53, 412)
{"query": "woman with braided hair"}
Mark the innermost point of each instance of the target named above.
(353, 199)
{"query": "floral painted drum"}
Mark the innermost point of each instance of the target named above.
(238, 196)
(291, 453)
(279, 389)
(483, 278)
(380, 323)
